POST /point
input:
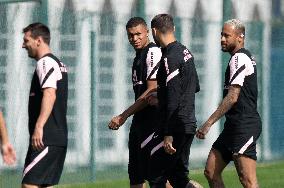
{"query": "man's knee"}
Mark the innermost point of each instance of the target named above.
(29, 186)
(212, 175)
(208, 174)
(247, 181)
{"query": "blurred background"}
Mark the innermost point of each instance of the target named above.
(89, 37)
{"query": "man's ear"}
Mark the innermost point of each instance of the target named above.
(153, 31)
(39, 41)
(241, 38)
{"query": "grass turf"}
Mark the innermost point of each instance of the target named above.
(270, 175)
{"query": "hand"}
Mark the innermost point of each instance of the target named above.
(203, 130)
(168, 145)
(8, 154)
(152, 99)
(116, 122)
(37, 142)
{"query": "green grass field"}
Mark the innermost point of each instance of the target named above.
(270, 175)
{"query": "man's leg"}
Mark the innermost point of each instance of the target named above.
(168, 185)
(30, 186)
(213, 170)
(178, 171)
(193, 184)
(135, 164)
(35, 186)
(246, 168)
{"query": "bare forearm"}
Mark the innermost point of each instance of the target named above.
(3, 130)
(47, 103)
(141, 102)
(137, 106)
(227, 103)
(224, 107)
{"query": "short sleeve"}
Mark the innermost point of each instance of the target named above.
(153, 58)
(48, 72)
(239, 68)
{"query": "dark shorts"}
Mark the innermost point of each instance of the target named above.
(139, 154)
(174, 167)
(44, 167)
(244, 143)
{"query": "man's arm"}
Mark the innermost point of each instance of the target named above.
(48, 99)
(227, 103)
(7, 150)
(139, 104)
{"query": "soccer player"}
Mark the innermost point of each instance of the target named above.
(177, 84)
(145, 119)
(7, 150)
(47, 111)
(242, 127)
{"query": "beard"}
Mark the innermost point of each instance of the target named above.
(31, 54)
(228, 48)
(156, 41)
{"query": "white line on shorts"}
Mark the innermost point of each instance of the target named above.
(157, 147)
(35, 161)
(145, 142)
(243, 149)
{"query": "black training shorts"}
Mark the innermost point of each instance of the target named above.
(44, 167)
(140, 139)
(237, 142)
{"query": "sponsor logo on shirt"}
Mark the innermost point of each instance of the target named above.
(32, 94)
(44, 67)
(236, 62)
(152, 59)
(253, 61)
(187, 55)
(166, 65)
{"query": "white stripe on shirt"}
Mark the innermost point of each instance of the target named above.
(172, 75)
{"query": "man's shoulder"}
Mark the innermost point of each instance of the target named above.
(179, 52)
(243, 53)
(240, 58)
(178, 48)
(152, 47)
(47, 60)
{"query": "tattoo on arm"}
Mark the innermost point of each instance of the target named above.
(227, 103)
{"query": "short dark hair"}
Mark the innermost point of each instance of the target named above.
(38, 29)
(163, 22)
(135, 21)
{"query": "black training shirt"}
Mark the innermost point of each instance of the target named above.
(177, 84)
(50, 73)
(242, 71)
(145, 66)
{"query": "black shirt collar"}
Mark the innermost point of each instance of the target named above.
(165, 49)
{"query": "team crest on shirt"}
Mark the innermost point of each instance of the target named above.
(134, 76)
(166, 65)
